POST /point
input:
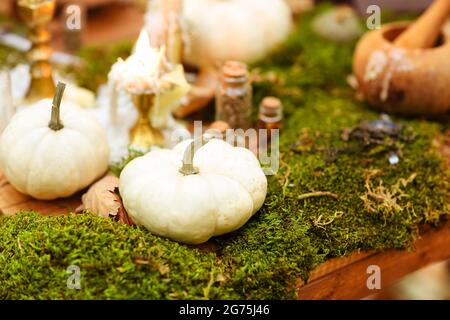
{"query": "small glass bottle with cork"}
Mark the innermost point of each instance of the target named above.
(270, 115)
(234, 96)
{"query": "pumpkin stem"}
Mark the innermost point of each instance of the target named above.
(188, 157)
(55, 121)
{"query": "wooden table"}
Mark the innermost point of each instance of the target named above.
(103, 21)
(346, 278)
(339, 278)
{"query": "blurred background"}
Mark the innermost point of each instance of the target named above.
(115, 20)
(107, 21)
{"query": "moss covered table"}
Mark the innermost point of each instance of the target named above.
(335, 206)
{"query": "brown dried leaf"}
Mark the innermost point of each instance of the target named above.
(101, 198)
(122, 214)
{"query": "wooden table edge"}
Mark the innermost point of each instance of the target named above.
(348, 277)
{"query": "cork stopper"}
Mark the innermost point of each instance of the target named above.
(234, 69)
(271, 106)
(220, 126)
(271, 103)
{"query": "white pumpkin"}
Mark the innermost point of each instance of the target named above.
(47, 163)
(340, 24)
(220, 30)
(188, 203)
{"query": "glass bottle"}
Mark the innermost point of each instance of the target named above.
(270, 114)
(234, 96)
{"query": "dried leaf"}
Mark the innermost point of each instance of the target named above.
(101, 198)
(141, 261)
(122, 214)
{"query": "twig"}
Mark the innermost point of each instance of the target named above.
(321, 224)
(317, 194)
(19, 243)
(285, 179)
(207, 290)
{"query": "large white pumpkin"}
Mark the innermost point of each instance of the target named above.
(220, 30)
(47, 163)
(228, 188)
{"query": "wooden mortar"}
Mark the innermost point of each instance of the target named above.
(399, 72)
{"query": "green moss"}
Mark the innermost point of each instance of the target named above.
(117, 167)
(115, 261)
(8, 56)
(98, 62)
(287, 238)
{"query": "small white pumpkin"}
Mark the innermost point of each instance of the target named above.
(340, 24)
(220, 30)
(50, 153)
(191, 201)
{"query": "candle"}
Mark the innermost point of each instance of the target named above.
(9, 96)
(7, 110)
(113, 104)
(155, 86)
(140, 72)
(174, 37)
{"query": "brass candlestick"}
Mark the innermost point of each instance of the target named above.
(143, 135)
(37, 14)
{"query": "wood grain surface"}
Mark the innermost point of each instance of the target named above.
(346, 278)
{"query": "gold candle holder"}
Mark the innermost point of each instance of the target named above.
(37, 14)
(143, 135)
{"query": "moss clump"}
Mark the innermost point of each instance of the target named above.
(289, 236)
(117, 167)
(10, 57)
(98, 62)
(115, 261)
